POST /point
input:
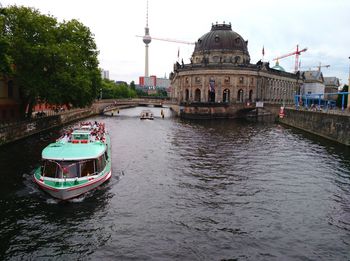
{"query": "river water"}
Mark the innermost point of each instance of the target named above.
(185, 190)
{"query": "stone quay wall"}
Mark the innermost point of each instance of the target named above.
(331, 126)
(20, 130)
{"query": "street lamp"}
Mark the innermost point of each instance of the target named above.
(101, 94)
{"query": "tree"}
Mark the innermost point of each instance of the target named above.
(132, 85)
(54, 62)
(5, 60)
(111, 90)
(339, 99)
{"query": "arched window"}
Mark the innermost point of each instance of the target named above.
(197, 95)
(226, 95)
(251, 95)
(211, 96)
(240, 95)
(10, 89)
(187, 95)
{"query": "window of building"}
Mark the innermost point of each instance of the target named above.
(197, 95)
(198, 79)
(10, 89)
(238, 41)
(241, 80)
(251, 80)
(217, 38)
(226, 95)
(240, 95)
(227, 79)
(187, 95)
(251, 95)
(216, 59)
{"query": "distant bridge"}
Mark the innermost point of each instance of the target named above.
(106, 105)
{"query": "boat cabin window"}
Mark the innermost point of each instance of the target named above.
(100, 163)
(73, 169)
(80, 136)
(61, 169)
(70, 169)
(87, 168)
(51, 169)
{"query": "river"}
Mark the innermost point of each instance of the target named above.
(185, 190)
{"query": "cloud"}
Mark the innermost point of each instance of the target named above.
(322, 26)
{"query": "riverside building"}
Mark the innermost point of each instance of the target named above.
(220, 80)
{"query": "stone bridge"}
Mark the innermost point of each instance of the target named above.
(112, 104)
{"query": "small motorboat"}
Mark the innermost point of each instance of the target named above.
(146, 115)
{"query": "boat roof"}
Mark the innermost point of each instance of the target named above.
(70, 151)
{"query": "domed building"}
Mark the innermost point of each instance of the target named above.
(278, 67)
(220, 81)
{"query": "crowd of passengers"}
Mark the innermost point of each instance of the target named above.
(97, 132)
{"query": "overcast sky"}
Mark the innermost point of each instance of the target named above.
(322, 26)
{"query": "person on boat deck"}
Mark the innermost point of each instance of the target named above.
(65, 137)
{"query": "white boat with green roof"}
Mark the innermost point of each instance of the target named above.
(76, 163)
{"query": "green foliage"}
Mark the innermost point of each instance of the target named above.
(162, 93)
(54, 62)
(5, 59)
(132, 85)
(339, 99)
(141, 93)
(110, 90)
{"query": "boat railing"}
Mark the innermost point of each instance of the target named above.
(90, 133)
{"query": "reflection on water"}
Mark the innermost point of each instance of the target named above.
(186, 190)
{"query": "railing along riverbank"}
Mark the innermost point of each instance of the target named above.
(12, 131)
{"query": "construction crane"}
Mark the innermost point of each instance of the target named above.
(168, 40)
(296, 53)
(316, 66)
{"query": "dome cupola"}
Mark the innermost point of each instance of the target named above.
(221, 45)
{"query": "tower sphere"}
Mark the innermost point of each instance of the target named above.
(147, 39)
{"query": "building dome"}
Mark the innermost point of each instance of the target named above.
(278, 67)
(222, 45)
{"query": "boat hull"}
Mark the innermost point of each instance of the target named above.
(66, 193)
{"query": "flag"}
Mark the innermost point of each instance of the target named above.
(211, 85)
(263, 51)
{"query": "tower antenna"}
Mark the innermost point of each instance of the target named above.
(147, 40)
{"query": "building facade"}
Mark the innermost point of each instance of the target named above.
(9, 100)
(331, 86)
(151, 84)
(105, 74)
(220, 72)
(313, 83)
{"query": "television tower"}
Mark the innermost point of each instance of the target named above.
(147, 40)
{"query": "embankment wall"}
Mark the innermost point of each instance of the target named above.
(25, 129)
(334, 127)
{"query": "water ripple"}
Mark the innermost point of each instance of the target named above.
(184, 190)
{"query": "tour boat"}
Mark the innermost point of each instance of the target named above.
(76, 163)
(146, 115)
